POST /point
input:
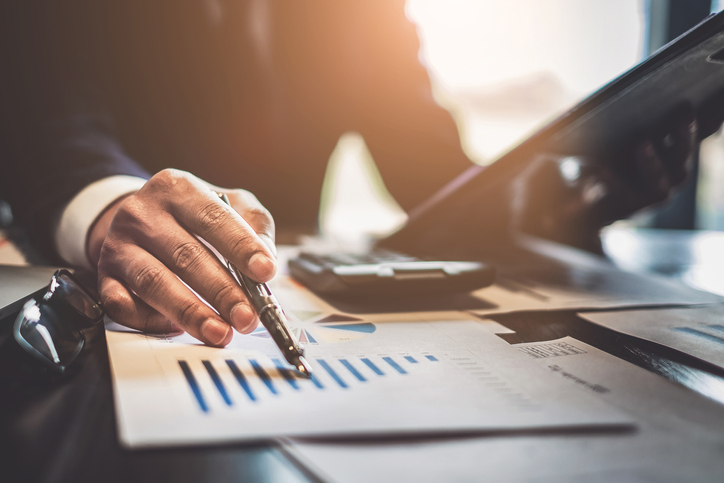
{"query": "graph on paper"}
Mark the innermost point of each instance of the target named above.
(390, 377)
(316, 328)
(373, 383)
(310, 322)
(697, 331)
(261, 380)
(708, 332)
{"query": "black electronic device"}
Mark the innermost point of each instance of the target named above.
(687, 73)
(387, 274)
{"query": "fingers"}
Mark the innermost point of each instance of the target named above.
(571, 205)
(258, 217)
(654, 175)
(201, 212)
(200, 269)
(125, 307)
(710, 115)
(664, 161)
(676, 147)
(153, 282)
(156, 274)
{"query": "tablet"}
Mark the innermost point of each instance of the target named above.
(687, 71)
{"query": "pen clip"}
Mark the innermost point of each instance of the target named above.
(234, 273)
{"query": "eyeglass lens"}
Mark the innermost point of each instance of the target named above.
(58, 342)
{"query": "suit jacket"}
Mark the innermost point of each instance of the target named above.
(247, 94)
(56, 137)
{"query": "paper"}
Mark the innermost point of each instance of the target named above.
(371, 378)
(9, 253)
(680, 436)
(698, 331)
(549, 276)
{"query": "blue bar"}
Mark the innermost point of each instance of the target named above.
(411, 359)
(703, 335)
(351, 369)
(372, 366)
(240, 377)
(431, 358)
(217, 382)
(194, 385)
(263, 376)
(331, 372)
(394, 365)
(316, 382)
(717, 327)
(286, 373)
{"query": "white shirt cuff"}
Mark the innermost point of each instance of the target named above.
(82, 211)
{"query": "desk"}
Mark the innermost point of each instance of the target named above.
(66, 432)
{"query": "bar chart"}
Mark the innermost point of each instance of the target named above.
(402, 377)
(265, 378)
(711, 332)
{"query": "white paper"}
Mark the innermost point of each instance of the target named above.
(566, 278)
(698, 331)
(390, 378)
(680, 436)
(9, 253)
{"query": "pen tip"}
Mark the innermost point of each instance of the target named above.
(304, 367)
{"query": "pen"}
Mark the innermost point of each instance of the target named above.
(271, 315)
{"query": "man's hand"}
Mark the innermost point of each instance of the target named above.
(149, 258)
(570, 199)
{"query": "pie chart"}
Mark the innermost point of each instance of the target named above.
(316, 328)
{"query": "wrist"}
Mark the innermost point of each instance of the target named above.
(99, 230)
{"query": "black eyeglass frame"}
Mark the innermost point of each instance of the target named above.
(65, 313)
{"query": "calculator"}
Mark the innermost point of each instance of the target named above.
(389, 274)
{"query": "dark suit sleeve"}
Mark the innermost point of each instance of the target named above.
(360, 68)
(56, 137)
(415, 142)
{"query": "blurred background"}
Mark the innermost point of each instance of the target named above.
(506, 68)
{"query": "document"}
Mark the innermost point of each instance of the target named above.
(550, 276)
(371, 379)
(9, 253)
(679, 437)
(698, 331)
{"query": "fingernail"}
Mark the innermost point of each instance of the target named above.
(261, 267)
(215, 331)
(242, 317)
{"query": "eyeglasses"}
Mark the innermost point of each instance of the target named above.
(49, 330)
